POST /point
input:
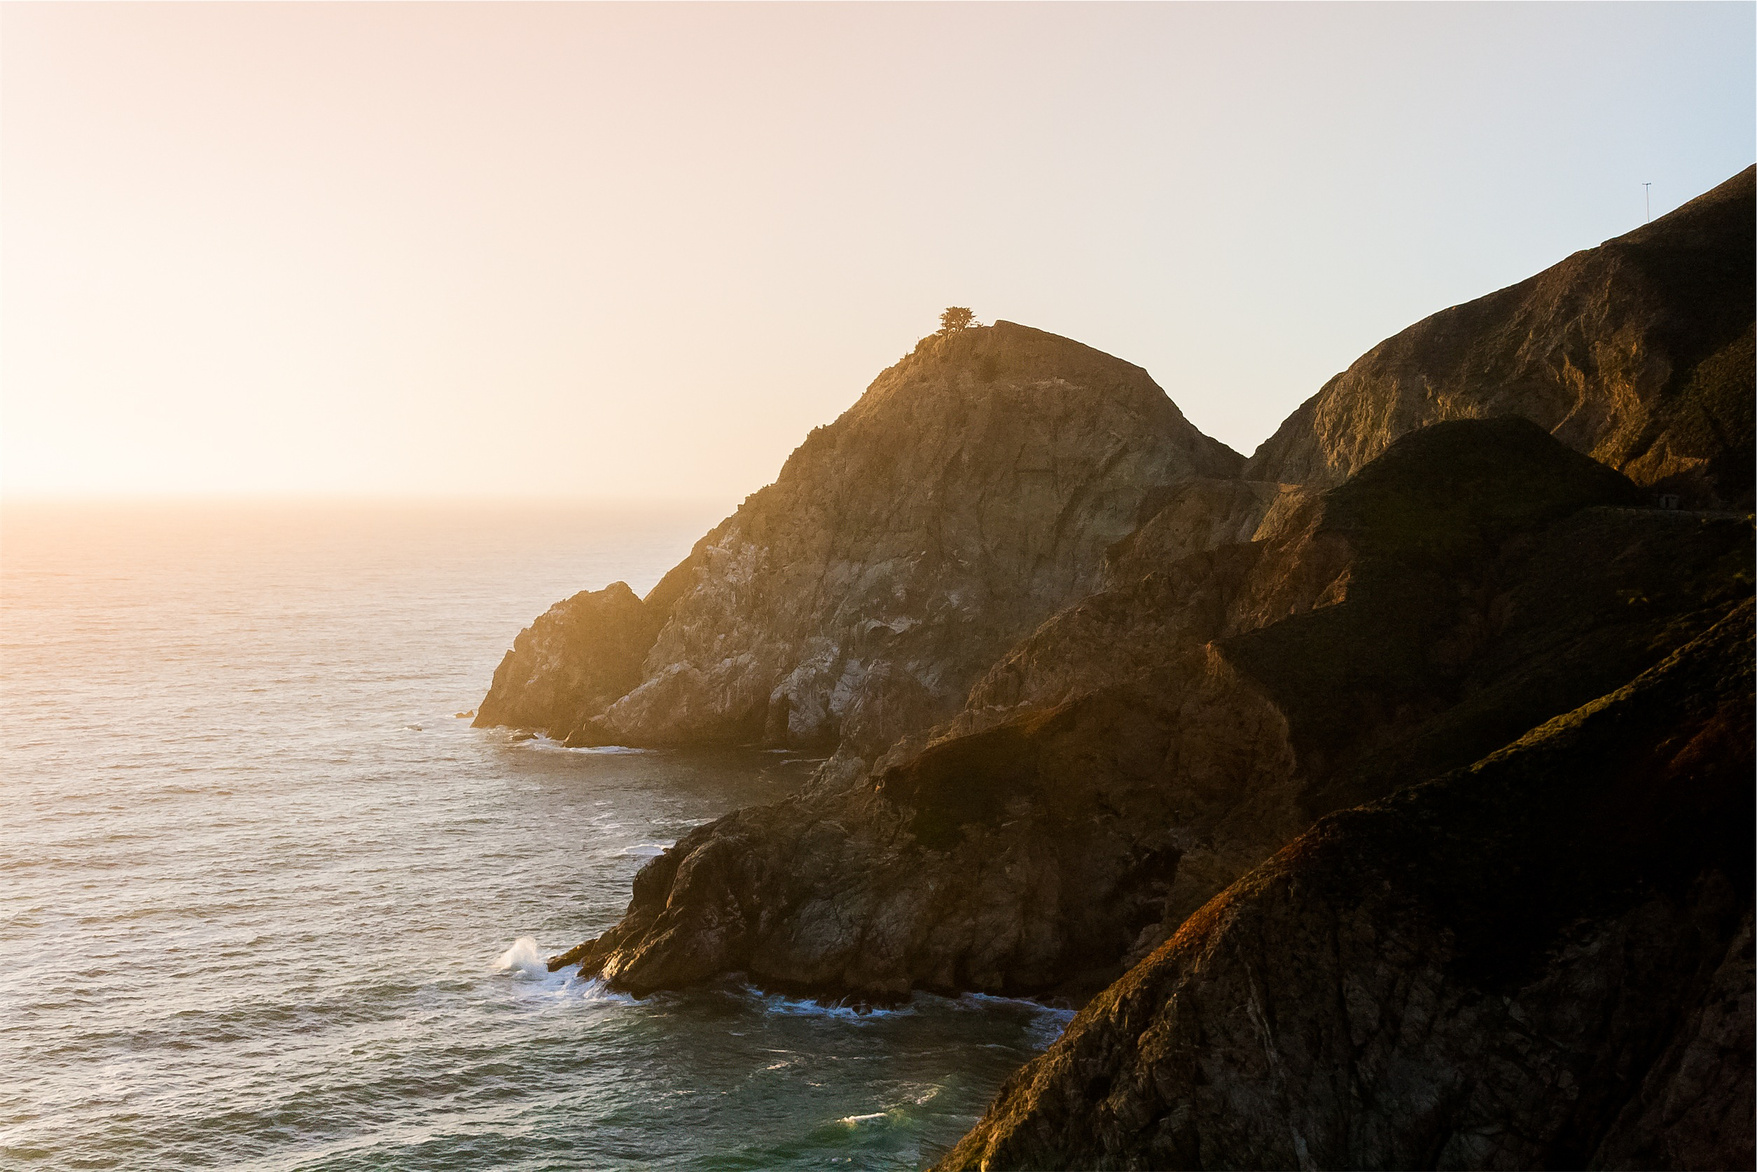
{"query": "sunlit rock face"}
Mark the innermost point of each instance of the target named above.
(970, 493)
(582, 654)
(1637, 352)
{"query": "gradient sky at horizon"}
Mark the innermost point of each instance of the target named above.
(638, 251)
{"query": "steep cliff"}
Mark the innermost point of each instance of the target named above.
(970, 493)
(1145, 747)
(997, 475)
(1543, 960)
(1076, 707)
(1637, 352)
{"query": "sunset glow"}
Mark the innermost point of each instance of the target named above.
(940, 587)
(616, 251)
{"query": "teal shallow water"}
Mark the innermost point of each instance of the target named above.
(267, 903)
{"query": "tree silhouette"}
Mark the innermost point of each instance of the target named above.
(955, 319)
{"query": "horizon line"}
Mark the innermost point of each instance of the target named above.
(322, 497)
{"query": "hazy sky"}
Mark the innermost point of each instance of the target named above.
(585, 250)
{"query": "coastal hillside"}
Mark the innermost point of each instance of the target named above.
(1453, 597)
(1637, 352)
(969, 494)
(1147, 746)
(999, 474)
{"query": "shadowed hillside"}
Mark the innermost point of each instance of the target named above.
(1146, 747)
(1540, 961)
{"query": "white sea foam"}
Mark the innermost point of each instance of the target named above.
(924, 1093)
(857, 1120)
(523, 958)
(545, 742)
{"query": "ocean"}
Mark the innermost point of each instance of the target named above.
(268, 902)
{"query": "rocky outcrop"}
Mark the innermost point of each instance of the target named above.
(1542, 960)
(970, 493)
(1086, 677)
(579, 657)
(1147, 746)
(1637, 352)
(996, 475)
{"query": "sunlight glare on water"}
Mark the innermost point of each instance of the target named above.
(269, 903)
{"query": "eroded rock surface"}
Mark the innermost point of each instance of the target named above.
(1542, 960)
(1637, 352)
(969, 494)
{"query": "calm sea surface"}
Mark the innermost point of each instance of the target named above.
(266, 902)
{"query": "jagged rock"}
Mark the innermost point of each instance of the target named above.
(969, 494)
(976, 484)
(1637, 352)
(1145, 747)
(577, 658)
(1542, 960)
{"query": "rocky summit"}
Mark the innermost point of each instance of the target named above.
(969, 494)
(1386, 799)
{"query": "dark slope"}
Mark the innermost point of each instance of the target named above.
(1637, 352)
(1540, 961)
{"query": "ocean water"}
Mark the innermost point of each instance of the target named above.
(266, 902)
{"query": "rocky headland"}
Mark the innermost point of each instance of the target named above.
(969, 494)
(1147, 746)
(1388, 795)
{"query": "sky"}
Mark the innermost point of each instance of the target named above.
(638, 251)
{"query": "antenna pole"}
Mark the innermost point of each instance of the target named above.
(1647, 194)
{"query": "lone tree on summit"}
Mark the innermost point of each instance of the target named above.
(955, 319)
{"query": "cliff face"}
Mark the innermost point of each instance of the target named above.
(1145, 747)
(1088, 675)
(1638, 353)
(969, 494)
(1542, 960)
(998, 475)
